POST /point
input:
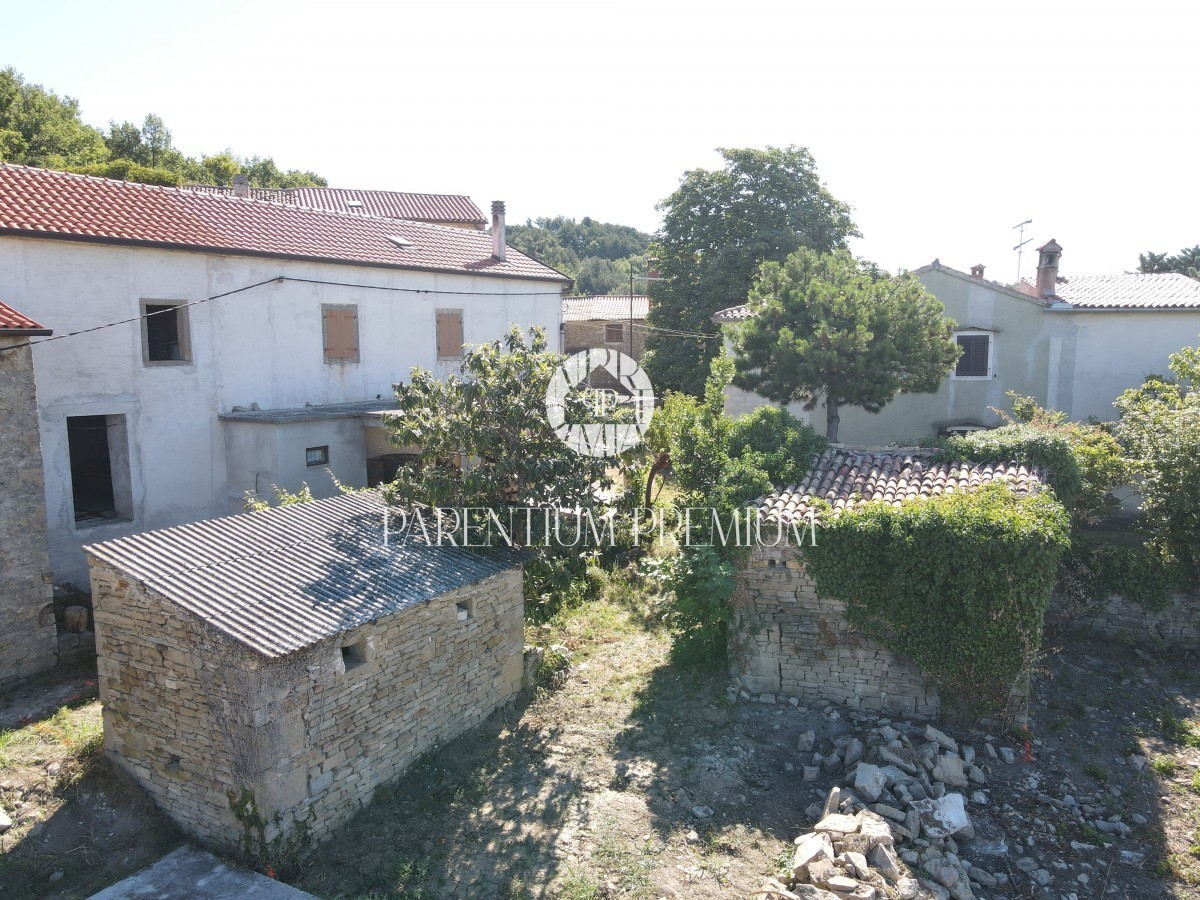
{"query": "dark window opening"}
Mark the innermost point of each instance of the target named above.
(91, 468)
(316, 456)
(354, 655)
(163, 343)
(614, 334)
(974, 360)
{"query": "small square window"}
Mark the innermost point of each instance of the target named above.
(464, 610)
(316, 456)
(165, 337)
(354, 655)
(614, 333)
(975, 361)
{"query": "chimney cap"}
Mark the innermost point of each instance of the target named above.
(977, 271)
(1050, 245)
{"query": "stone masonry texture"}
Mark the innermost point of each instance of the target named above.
(788, 641)
(28, 642)
(199, 719)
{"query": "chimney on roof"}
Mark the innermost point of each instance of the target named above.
(977, 271)
(241, 185)
(1047, 269)
(498, 242)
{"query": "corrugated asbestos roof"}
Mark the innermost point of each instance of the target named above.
(599, 308)
(44, 203)
(286, 578)
(12, 322)
(448, 208)
(1162, 290)
(848, 478)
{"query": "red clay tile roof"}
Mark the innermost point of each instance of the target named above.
(13, 322)
(598, 308)
(1136, 290)
(43, 203)
(447, 208)
(849, 478)
(732, 314)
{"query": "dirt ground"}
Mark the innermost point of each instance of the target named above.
(602, 785)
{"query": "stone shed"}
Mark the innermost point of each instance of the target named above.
(789, 641)
(289, 655)
(28, 637)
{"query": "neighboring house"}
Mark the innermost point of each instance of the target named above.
(605, 323)
(228, 344)
(28, 638)
(291, 656)
(786, 639)
(435, 209)
(1072, 343)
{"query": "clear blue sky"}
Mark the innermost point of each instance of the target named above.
(942, 124)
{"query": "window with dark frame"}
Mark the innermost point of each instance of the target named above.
(165, 333)
(449, 333)
(614, 333)
(975, 359)
(339, 325)
(316, 456)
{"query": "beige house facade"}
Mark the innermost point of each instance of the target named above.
(1073, 343)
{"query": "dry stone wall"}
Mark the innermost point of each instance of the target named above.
(194, 715)
(1177, 625)
(588, 335)
(787, 640)
(28, 641)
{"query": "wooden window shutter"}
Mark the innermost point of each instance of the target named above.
(449, 334)
(341, 334)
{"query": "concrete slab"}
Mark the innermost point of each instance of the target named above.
(192, 873)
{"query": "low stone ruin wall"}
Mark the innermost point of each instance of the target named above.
(786, 640)
(1177, 625)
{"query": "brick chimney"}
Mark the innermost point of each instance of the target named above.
(977, 271)
(498, 243)
(1047, 269)
(241, 185)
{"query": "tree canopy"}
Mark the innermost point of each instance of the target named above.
(1185, 262)
(718, 228)
(597, 255)
(39, 128)
(833, 329)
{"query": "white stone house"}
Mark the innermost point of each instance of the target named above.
(1073, 343)
(210, 345)
(294, 657)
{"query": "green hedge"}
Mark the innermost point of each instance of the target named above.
(959, 584)
(1026, 444)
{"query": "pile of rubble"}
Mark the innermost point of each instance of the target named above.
(904, 804)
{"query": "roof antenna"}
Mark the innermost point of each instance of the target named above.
(1022, 242)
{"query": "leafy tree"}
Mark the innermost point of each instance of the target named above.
(1185, 262)
(263, 172)
(830, 328)
(124, 140)
(718, 228)
(128, 170)
(1160, 429)
(39, 128)
(597, 255)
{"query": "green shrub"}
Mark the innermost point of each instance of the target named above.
(776, 443)
(959, 584)
(1027, 444)
(1095, 567)
(699, 584)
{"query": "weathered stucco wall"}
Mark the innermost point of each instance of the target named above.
(27, 632)
(193, 715)
(788, 641)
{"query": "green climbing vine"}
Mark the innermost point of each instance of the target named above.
(959, 584)
(280, 856)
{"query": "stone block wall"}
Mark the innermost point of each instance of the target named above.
(588, 335)
(28, 638)
(788, 641)
(193, 715)
(1177, 625)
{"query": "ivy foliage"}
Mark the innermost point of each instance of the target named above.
(1097, 566)
(959, 584)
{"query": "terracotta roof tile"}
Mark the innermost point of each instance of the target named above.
(595, 308)
(40, 202)
(732, 314)
(847, 478)
(1164, 290)
(13, 322)
(448, 208)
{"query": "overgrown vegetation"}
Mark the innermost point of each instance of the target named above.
(599, 256)
(958, 583)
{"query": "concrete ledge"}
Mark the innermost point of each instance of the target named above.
(189, 872)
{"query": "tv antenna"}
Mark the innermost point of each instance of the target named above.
(1022, 241)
